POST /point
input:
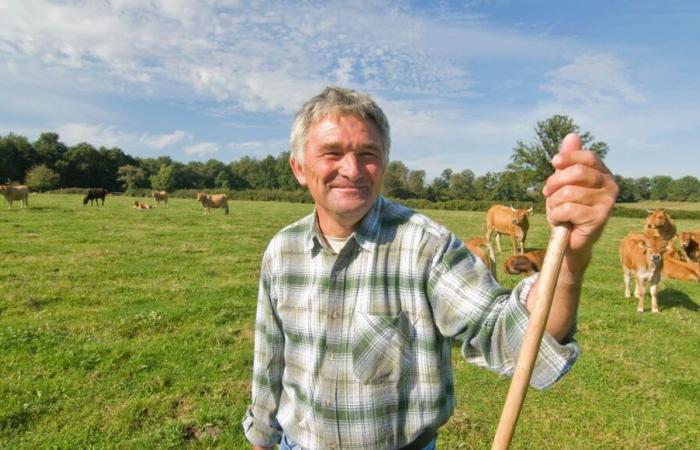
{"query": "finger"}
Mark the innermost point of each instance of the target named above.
(570, 143)
(583, 157)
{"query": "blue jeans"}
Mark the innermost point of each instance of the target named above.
(288, 444)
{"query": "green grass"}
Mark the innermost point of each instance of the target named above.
(654, 204)
(122, 328)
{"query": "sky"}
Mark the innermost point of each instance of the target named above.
(461, 82)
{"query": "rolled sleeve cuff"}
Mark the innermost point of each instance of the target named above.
(259, 433)
(554, 360)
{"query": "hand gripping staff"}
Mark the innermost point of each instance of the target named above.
(533, 336)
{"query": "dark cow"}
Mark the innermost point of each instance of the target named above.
(95, 194)
(527, 262)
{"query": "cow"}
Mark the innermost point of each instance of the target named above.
(503, 219)
(527, 263)
(483, 249)
(13, 193)
(690, 244)
(160, 196)
(95, 194)
(659, 224)
(213, 201)
(642, 258)
(142, 205)
(675, 269)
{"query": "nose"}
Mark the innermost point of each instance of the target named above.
(656, 257)
(349, 166)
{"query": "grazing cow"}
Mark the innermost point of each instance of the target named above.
(508, 220)
(138, 205)
(675, 269)
(659, 224)
(95, 194)
(213, 201)
(526, 263)
(483, 250)
(160, 196)
(690, 244)
(642, 257)
(13, 193)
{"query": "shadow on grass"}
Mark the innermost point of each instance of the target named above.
(673, 298)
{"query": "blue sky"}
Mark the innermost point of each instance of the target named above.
(461, 82)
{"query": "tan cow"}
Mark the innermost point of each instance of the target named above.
(503, 219)
(13, 193)
(527, 263)
(483, 250)
(675, 269)
(642, 257)
(659, 224)
(213, 201)
(142, 205)
(160, 196)
(690, 244)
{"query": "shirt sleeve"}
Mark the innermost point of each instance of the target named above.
(490, 321)
(260, 421)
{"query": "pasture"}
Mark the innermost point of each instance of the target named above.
(125, 328)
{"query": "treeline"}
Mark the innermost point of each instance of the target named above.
(48, 164)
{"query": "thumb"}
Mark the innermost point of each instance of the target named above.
(570, 143)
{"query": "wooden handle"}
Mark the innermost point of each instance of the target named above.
(546, 283)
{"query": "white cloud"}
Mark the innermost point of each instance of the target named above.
(203, 148)
(594, 79)
(94, 134)
(164, 140)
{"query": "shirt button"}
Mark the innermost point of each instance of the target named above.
(334, 315)
(326, 403)
(332, 357)
(331, 445)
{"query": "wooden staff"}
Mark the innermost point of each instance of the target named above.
(546, 284)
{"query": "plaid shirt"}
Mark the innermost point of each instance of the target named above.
(353, 350)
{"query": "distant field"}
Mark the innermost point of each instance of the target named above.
(652, 204)
(133, 329)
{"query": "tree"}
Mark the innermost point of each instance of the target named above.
(396, 180)
(416, 183)
(40, 178)
(439, 189)
(627, 192)
(533, 160)
(686, 189)
(462, 185)
(132, 177)
(17, 156)
(164, 180)
(49, 149)
(660, 186)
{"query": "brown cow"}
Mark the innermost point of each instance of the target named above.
(690, 243)
(142, 205)
(659, 224)
(675, 269)
(95, 194)
(508, 220)
(642, 258)
(13, 193)
(483, 249)
(160, 196)
(213, 201)
(527, 263)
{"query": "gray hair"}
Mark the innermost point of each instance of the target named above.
(341, 101)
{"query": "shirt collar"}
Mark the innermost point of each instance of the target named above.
(365, 235)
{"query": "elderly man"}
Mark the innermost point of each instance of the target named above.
(359, 301)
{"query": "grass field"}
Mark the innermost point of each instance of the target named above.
(122, 328)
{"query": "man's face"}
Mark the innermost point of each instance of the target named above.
(343, 169)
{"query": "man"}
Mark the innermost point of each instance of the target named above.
(359, 301)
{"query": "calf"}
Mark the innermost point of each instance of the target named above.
(138, 205)
(690, 240)
(675, 269)
(213, 201)
(13, 193)
(642, 258)
(160, 196)
(508, 220)
(483, 249)
(527, 263)
(95, 194)
(659, 225)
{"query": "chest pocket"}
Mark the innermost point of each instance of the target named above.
(381, 347)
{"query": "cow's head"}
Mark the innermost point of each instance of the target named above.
(519, 215)
(153, 194)
(201, 196)
(653, 249)
(657, 219)
(688, 240)
(86, 199)
(4, 188)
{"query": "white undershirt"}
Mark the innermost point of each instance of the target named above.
(336, 243)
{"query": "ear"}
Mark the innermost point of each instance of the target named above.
(298, 170)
